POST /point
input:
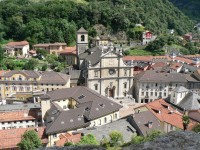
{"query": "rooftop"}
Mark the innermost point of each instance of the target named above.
(20, 43)
(11, 137)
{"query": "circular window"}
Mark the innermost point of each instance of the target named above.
(111, 71)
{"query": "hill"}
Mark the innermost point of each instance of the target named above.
(191, 8)
(58, 20)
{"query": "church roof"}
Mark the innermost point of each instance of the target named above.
(82, 30)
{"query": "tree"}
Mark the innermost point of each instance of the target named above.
(196, 128)
(30, 141)
(186, 121)
(1, 54)
(41, 52)
(68, 144)
(138, 139)
(44, 67)
(31, 64)
(116, 138)
(88, 140)
(154, 134)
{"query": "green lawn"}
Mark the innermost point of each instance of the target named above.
(142, 52)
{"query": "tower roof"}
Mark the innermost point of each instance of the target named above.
(82, 30)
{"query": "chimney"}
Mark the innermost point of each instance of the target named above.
(150, 124)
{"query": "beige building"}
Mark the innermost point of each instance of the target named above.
(25, 82)
(72, 109)
(51, 48)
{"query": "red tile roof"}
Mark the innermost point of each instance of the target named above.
(11, 137)
(18, 115)
(168, 114)
(20, 43)
(175, 66)
(158, 65)
(2, 72)
(68, 138)
(69, 50)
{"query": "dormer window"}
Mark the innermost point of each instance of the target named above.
(82, 38)
(102, 105)
(81, 97)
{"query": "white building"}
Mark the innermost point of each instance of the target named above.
(17, 48)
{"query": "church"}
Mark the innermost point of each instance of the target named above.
(103, 68)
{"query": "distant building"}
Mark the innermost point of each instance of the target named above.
(70, 54)
(20, 48)
(147, 37)
(51, 47)
(12, 116)
(26, 82)
(72, 109)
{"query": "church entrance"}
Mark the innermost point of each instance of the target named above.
(111, 92)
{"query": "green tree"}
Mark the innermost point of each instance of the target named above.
(41, 52)
(68, 144)
(186, 121)
(30, 141)
(116, 139)
(196, 128)
(31, 64)
(138, 139)
(44, 67)
(154, 134)
(1, 54)
(88, 139)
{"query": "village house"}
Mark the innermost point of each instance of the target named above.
(70, 54)
(147, 37)
(27, 82)
(20, 48)
(72, 109)
(170, 119)
(51, 48)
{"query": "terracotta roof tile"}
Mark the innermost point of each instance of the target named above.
(165, 113)
(20, 43)
(11, 137)
(68, 138)
(69, 50)
(144, 58)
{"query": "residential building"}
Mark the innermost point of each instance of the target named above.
(20, 48)
(106, 73)
(145, 122)
(195, 115)
(170, 118)
(76, 78)
(11, 137)
(102, 41)
(28, 82)
(71, 109)
(151, 85)
(185, 99)
(102, 132)
(51, 48)
(147, 37)
(70, 54)
(20, 116)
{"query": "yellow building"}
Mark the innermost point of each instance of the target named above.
(25, 82)
(72, 109)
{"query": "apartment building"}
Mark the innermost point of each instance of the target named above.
(27, 82)
(72, 109)
(151, 85)
(20, 116)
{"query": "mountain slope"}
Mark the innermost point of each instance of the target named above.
(191, 8)
(58, 20)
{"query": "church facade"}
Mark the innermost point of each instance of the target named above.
(105, 71)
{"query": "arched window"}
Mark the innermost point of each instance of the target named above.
(82, 37)
(20, 78)
(105, 120)
(99, 121)
(96, 87)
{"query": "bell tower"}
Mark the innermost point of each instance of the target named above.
(81, 41)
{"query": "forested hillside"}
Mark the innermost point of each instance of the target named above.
(57, 20)
(191, 8)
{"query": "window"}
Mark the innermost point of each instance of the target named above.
(156, 84)
(142, 94)
(64, 107)
(125, 85)
(105, 120)
(155, 93)
(20, 78)
(80, 97)
(116, 116)
(165, 94)
(96, 87)
(82, 38)
(171, 127)
(96, 73)
(13, 78)
(125, 72)
(151, 93)
(99, 121)
(3, 128)
(54, 135)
